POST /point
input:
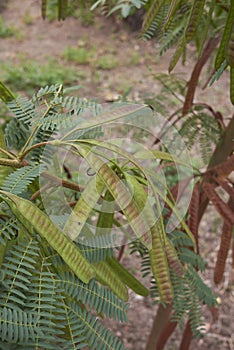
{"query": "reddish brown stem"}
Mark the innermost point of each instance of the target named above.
(57, 181)
(160, 321)
(194, 211)
(224, 247)
(193, 82)
(187, 337)
(165, 334)
(37, 145)
(121, 251)
(221, 153)
(232, 272)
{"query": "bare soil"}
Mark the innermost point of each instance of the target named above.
(136, 60)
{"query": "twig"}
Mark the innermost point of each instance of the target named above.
(56, 181)
(11, 156)
(40, 191)
(65, 183)
(192, 85)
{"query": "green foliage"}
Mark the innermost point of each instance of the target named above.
(53, 9)
(200, 128)
(53, 287)
(123, 6)
(38, 292)
(60, 287)
(6, 31)
(37, 300)
(77, 55)
(106, 62)
(180, 22)
(18, 181)
(8, 229)
(99, 298)
(189, 290)
(28, 75)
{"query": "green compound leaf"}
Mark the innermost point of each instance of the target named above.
(19, 180)
(18, 326)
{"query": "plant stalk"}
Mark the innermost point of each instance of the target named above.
(193, 81)
(161, 319)
(221, 153)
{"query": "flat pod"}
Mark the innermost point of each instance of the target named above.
(229, 52)
(127, 278)
(195, 15)
(220, 57)
(107, 276)
(232, 85)
(34, 219)
(159, 264)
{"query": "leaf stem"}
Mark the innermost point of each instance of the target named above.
(40, 144)
(24, 149)
(2, 150)
(14, 163)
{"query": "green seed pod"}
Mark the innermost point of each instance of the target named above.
(173, 258)
(232, 85)
(159, 264)
(127, 278)
(194, 18)
(229, 52)
(225, 38)
(33, 219)
(107, 276)
(83, 208)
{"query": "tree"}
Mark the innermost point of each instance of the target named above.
(59, 270)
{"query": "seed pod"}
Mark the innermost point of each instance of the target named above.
(232, 85)
(106, 216)
(120, 193)
(151, 14)
(177, 54)
(157, 254)
(225, 38)
(173, 258)
(159, 265)
(34, 219)
(195, 15)
(229, 52)
(83, 208)
(107, 276)
(127, 278)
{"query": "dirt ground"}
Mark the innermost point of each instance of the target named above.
(135, 60)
